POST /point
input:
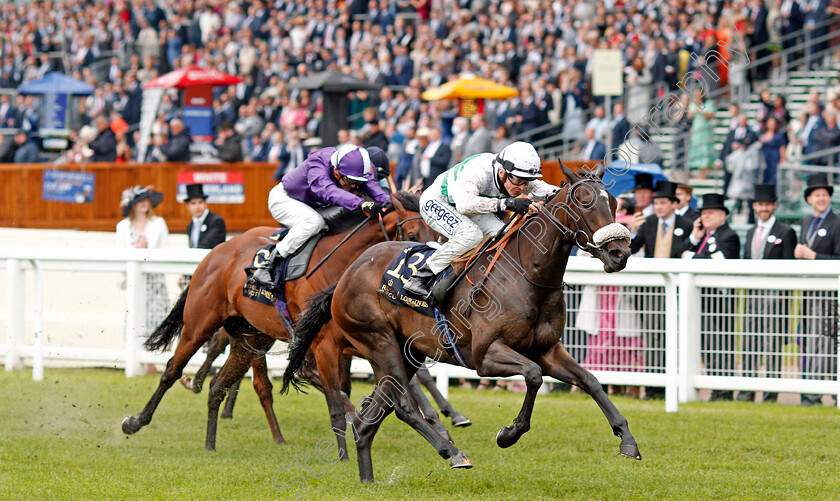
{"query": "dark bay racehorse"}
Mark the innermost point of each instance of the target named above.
(510, 323)
(214, 299)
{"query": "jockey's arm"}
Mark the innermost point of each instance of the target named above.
(377, 192)
(465, 194)
(540, 188)
(323, 187)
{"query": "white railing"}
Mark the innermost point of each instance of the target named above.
(693, 319)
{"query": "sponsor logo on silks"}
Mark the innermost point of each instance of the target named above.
(442, 215)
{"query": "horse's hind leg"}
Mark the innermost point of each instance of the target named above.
(230, 401)
(234, 369)
(446, 408)
(558, 364)
(392, 383)
(263, 387)
(425, 407)
(501, 361)
(215, 347)
(327, 359)
(192, 337)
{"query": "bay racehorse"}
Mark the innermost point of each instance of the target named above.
(214, 299)
(509, 323)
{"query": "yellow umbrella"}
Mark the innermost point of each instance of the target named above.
(470, 87)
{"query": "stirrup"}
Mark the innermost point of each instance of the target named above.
(420, 282)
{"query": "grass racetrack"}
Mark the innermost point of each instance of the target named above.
(61, 439)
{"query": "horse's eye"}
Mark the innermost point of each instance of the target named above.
(412, 237)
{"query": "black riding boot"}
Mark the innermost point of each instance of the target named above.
(419, 283)
(263, 273)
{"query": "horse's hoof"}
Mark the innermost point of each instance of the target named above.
(460, 460)
(130, 425)
(459, 420)
(507, 436)
(189, 384)
(630, 451)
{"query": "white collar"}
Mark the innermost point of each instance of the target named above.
(766, 225)
(200, 219)
(669, 221)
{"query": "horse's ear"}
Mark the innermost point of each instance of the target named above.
(571, 177)
(600, 170)
(397, 204)
(417, 188)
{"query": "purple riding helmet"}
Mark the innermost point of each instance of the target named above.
(352, 162)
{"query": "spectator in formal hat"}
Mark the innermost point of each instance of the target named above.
(712, 238)
(140, 228)
(643, 196)
(766, 310)
(663, 233)
(206, 229)
(819, 239)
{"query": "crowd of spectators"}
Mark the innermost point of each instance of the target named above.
(542, 48)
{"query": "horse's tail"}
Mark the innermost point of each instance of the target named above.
(313, 319)
(170, 327)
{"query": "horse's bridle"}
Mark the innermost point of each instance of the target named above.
(401, 222)
(586, 230)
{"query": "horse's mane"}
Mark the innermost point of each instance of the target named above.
(410, 201)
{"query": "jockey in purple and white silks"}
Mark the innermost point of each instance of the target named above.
(328, 176)
(462, 202)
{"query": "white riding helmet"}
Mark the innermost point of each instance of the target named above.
(521, 160)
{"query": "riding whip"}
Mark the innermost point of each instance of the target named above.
(322, 261)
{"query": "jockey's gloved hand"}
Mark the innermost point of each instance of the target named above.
(518, 205)
(372, 208)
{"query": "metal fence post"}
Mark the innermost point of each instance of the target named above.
(689, 337)
(38, 323)
(135, 321)
(442, 380)
(671, 343)
(837, 355)
(15, 311)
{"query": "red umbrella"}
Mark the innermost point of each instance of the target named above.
(192, 75)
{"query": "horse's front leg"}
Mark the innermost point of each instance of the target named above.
(501, 361)
(558, 364)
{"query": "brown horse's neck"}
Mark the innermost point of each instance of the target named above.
(544, 243)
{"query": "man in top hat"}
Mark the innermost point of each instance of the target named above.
(643, 196)
(206, 230)
(712, 238)
(766, 313)
(664, 234)
(819, 239)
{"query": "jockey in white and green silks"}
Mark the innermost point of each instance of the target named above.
(463, 201)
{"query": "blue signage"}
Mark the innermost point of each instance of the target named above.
(199, 119)
(68, 186)
(55, 111)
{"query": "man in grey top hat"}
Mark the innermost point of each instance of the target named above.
(819, 239)
(766, 310)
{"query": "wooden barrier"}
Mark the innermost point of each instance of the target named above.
(21, 204)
